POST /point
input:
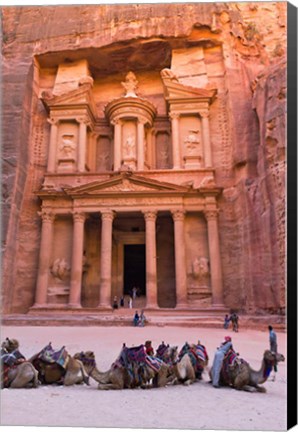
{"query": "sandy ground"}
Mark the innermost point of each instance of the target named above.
(198, 406)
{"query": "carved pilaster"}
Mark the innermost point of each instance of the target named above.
(206, 138)
(175, 140)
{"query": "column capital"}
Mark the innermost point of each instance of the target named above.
(47, 215)
(174, 115)
(78, 216)
(204, 114)
(116, 121)
(83, 120)
(142, 121)
(53, 121)
(150, 215)
(178, 215)
(211, 214)
(107, 215)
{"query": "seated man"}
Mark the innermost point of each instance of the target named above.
(149, 348)
(218, 360)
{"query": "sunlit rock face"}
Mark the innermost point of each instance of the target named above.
(199, 91)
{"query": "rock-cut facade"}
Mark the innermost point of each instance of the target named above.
(144, 154)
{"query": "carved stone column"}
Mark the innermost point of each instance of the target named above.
(215, 260)
(117, 144)
(77, 260)
(82, 145)
(44, 258)
(107, 217)
(180, 263)
(176, 141)
(52, 146)
(151, 268)
(140, 151)
(206, 139)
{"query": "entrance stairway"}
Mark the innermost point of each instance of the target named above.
(196, 317)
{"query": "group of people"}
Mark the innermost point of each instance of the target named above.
(234, 319)
(139, 320)
(133, 293)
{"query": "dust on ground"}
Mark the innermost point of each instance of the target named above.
(198, 406)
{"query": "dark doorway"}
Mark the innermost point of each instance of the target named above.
(134, 269)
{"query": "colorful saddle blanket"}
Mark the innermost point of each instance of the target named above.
(134, 358)
(9, 361)
(231, 359)
(161, 350)
(49, 355)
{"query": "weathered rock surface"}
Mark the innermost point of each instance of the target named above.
(239, 48)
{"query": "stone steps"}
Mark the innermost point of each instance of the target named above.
(155, 318)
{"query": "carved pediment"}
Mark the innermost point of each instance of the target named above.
(124, 183)
(174, 90)
(82, 96)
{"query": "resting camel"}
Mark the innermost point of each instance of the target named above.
(125, 373)
(16, 371)
(116, 378)
(167, 353)
(192, 360)
(58, 367)
(241, 376)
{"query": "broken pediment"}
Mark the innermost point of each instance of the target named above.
(79, 97)
(175, 91)
(125, 183)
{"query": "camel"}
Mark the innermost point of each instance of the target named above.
(167, 353)
(116, 378)
(241, 376)
(191, 362)
(125, 373)
(59, 367)
(16, 371)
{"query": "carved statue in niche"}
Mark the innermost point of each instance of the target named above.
(103, 161)
(129, 146)
(162, 150)
(200, 270)
(192, 142)
(130, 85)
(68, 146)
(60, 270)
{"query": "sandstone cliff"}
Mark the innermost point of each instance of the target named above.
(244, 58)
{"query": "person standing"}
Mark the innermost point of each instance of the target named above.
(136, 319)
(218, 360)
(226, 321)
(273, 347)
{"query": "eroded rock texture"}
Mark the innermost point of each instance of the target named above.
(238, 48)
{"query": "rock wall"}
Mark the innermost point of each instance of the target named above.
(246, 62)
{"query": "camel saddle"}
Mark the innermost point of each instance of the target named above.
(9, 361)
(49, 355)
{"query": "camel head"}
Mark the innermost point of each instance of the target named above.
(87, 358)
(10, 345)
(272, 357)
(171, 354)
